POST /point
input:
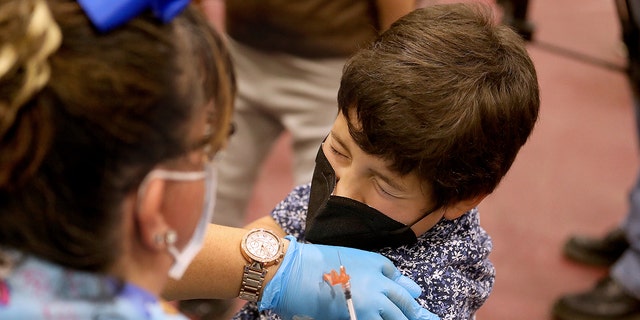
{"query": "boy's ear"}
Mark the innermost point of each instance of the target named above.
(149, 218)
(459, 208)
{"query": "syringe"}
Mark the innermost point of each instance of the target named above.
(343, 279)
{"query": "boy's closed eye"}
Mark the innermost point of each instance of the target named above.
(337, 153)
(386, 191)
(378, 181)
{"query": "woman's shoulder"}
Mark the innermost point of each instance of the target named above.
(33, 288)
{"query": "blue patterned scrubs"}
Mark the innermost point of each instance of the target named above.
(450, 261)
(36, 289)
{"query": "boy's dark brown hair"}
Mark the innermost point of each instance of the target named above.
(446, 93)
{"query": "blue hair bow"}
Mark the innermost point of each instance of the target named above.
(109, 14)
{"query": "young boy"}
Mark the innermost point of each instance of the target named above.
(431, 118)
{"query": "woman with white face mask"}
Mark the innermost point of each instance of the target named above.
(111, 112)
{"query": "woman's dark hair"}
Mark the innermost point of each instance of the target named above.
(115, 106)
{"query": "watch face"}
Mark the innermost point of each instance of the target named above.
(262, 245)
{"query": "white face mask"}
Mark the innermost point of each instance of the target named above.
(183, 258)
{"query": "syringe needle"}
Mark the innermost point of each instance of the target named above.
(347, 295)
(346, 287)
(343, 279)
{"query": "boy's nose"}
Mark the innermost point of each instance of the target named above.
(347, 187)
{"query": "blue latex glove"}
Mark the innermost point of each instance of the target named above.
(379, 290)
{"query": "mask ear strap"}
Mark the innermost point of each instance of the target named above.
(436, 207)
(175, 253)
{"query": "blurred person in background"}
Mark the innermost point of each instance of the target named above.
(617, 295)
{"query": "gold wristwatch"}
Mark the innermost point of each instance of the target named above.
(262, 248)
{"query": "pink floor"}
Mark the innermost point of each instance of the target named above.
(573, 174)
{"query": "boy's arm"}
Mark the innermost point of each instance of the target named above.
(390, 10)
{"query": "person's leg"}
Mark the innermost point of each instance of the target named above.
(240, 163)
(308, 109)
(617, 296)
(256, 129)
(626, 271)
(605, 251)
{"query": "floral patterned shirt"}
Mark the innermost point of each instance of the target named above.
(449, 262)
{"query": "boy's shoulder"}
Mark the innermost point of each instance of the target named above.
(297, 200)
(291, 213)
(451, 264)
(458, 240)
(465, 228)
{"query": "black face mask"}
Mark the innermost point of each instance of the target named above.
(340, 221)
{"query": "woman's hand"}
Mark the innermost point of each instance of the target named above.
(379, 290)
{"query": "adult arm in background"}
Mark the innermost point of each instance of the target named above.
(292, 285)
(390, 10)
(215, 12)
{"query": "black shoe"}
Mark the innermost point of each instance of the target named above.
(607, 301)
(597, 251)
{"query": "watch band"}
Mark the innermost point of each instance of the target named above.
(252, 281)
(262, 248)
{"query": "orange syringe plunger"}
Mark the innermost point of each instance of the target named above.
(342, 278)
(334, 278)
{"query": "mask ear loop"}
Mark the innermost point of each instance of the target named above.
(170, 237)
(408, 226)
(175, 253)
(436, 207)
(184, 256)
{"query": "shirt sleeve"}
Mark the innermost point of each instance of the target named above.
(291, 213)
